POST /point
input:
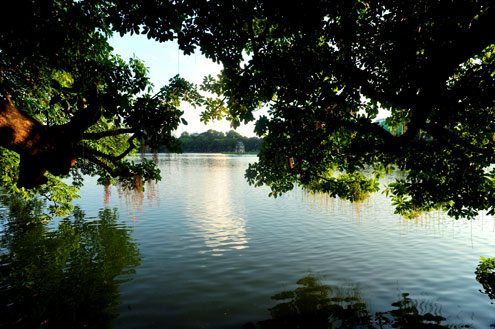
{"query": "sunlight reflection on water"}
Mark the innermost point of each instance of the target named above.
(215, 249)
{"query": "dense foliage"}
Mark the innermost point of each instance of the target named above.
(323, 69)
(68, 105)
(218, 142)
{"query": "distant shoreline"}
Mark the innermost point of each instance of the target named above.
(213, 141)
(191, 152)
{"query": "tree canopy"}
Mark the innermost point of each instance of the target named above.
(70, 106)
(324, 69)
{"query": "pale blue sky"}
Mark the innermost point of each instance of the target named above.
(164, 61)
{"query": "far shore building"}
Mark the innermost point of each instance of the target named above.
(239, 147)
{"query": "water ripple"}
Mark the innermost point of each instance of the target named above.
(215, 250)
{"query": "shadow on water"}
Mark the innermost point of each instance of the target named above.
(485, 275)
(64, 278)
(315, 305)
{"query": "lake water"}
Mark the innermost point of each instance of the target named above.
(203, 249)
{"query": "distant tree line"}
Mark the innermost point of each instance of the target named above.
(213, 141)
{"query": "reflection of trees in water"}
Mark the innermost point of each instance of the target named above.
(437, 223)
(407, 315)
(65, 278)
(133, 200)
(485, 275)
(318, 306)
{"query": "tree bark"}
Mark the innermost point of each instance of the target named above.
(41, 148)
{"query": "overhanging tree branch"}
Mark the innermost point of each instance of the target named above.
(108, 133)
(451, 140)
(114, 172)
(86, 117)
(109, 157)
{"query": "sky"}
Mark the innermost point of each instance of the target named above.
(164, 61)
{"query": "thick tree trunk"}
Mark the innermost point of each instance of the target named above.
(41, 148)
(18, 131)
